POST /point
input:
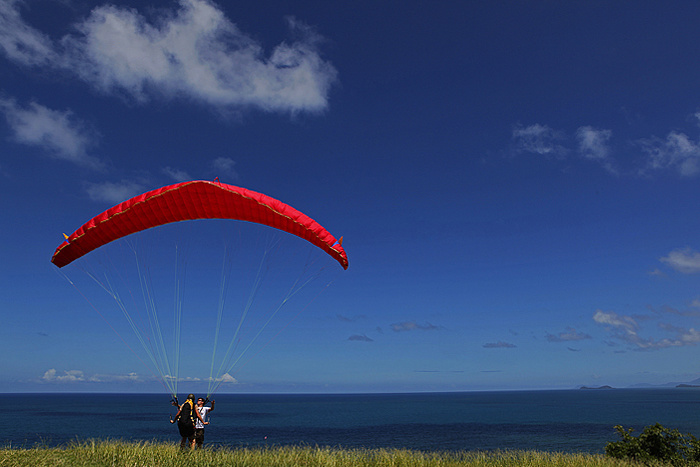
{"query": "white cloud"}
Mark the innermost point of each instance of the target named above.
(181, 379)
(194, 52)
(67, 376)
(98, 378)
(227, 378)
(224, 167)
(625, 329)
(78, 376)
(593, 145)
(176, 174)
(539, 139)
(613, 319)
(19, 41)
(60, 133)
(114, 193)
(677, 152)
(683, 260)
(683, 336)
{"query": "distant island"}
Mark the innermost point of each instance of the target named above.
(685, 385)
(599, 387)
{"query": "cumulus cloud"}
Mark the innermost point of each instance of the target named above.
(77, 376)
(413, 326)
(67, 376)
(625, 329)
(360, 337)
(569, 335)
(677, 152)
(227, 378)
(114, 192)
(539, 139)
(499, 345)
(683, 260)
(193, 52)
(58, 132)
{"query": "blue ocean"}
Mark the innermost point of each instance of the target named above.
(555, 421)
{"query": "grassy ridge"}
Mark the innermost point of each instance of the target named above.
(119, 453)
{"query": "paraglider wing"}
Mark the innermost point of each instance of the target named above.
(188, 201)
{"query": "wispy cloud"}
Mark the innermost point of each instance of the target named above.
(176, 175)
(114, 192)
(360, 338)
(184, 379)
(413, 326)
(683, 260)
(593, 144)
(59, 133)
(539, 139)
(350, 319)
(499, 345)
(614, 320)
(625, 329)
(677, 152)
(567, 336)
(78, 376)
(193, 52)
(225, 168)
(20, 42)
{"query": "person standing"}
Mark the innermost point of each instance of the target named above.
(199, 425)
(185, 417)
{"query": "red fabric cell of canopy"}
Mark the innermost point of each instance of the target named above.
(188, 201)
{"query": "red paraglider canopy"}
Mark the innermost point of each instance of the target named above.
(188, 201)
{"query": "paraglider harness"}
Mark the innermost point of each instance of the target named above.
(184, 418)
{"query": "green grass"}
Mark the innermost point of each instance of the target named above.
(122, 453)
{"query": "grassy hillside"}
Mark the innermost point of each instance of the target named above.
(117, 453)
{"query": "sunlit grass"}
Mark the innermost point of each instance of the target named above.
(121, 453)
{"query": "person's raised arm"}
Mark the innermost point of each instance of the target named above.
(177, 415)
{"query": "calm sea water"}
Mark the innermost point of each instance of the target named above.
(567, 421)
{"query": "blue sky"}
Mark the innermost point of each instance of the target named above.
(514, 181)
